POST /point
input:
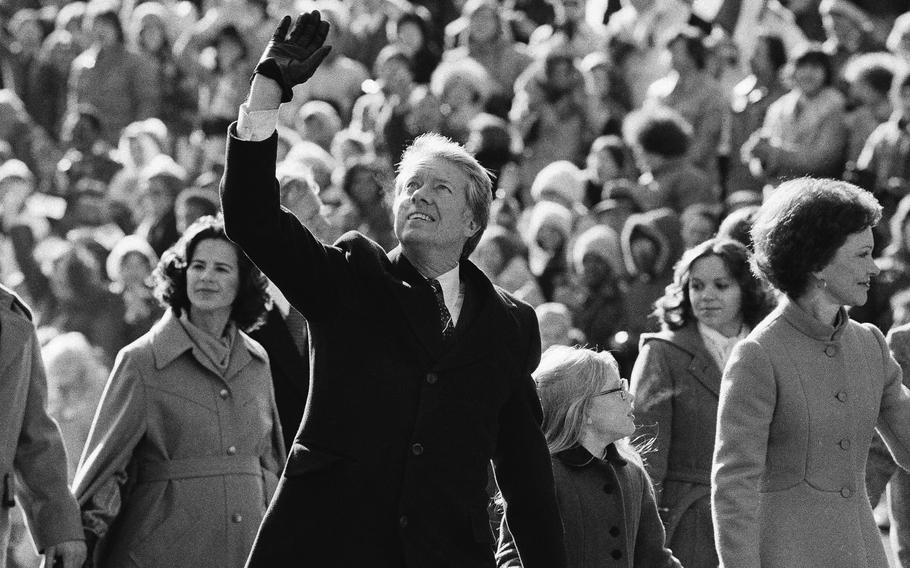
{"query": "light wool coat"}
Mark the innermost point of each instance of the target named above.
(30, 443)
(798, 404)
(181, 460)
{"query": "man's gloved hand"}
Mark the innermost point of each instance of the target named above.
(291, 59)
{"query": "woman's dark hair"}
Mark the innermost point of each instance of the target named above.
(232, 34)
(658, 130)
(382, 178)
(674, 308)
(693, 39)
(815, 55)
(81, 271)
(777, 51)
(801, 226)
(252, 300)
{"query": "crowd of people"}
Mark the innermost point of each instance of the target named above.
(694, 198)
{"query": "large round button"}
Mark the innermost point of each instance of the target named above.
(432, 378)
(236, 518)
(616, 554)
(841, 396)
(232, 450)
(608, 488)
(614, 531)
(417, 449)
(845, 444)
(403, 521)
(831, 350)
(224, 393)
(846, 492)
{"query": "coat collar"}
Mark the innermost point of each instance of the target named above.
(577, 456)
(169, 341)
(808, 325)
(702, 365)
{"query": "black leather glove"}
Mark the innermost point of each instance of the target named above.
(292, 59)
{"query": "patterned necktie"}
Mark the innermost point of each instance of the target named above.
(445, 318)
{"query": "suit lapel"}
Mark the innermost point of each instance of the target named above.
(479, 313)
(415, 298)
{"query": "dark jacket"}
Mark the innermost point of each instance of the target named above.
(389, 467)
(290, 371)
(609, 514)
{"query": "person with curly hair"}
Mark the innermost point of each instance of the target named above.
(802, 394)
(712, 303)
(185, 448)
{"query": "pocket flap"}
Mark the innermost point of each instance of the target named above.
(302, 459)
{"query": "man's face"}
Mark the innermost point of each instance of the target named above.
(431, 206)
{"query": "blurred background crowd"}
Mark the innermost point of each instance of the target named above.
(621, 133)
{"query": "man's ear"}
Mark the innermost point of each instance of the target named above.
(471, 225)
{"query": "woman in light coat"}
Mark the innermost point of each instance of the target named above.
(802, 394)
(713, 302)
(186, 446)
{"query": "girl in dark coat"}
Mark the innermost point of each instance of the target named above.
(606, 499)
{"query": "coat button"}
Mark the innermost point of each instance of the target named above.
(614, 531)
(831, 350)
(232, 450)
(403, 521)
(431, 378)
(608, 488)
(842, 396)
(846, 492)
(417, 449)
(616, 554)
(224, 394)
(236, 518)
(845, 444)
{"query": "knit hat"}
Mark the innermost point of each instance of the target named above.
(848, 10)
(602, 241)
(15, 169)
(562, 178)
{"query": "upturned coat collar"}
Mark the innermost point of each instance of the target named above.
(169, 341)
(577, 456)
(808, 325)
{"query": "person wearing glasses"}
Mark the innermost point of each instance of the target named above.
(605, 497)
(712, 303)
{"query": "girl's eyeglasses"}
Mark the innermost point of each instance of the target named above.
(623, 390)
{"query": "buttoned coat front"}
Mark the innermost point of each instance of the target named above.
(609, 514)
(799, 402)
(30, 443)
(390, 465)
(676, 384)
(181, 460)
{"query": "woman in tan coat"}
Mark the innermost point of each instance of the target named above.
(185, 448)
(802, 394)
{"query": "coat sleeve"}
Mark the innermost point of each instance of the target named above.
(522, 466)
(506, 551)
(747, 401)
(273, 457)
(117, 429)
(314, 277)
(894, 413)
(652, 386)
(40, 458)
(651, 540)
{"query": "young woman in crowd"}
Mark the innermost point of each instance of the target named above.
(713, 303)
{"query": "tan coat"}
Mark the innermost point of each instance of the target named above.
(30, 443)
(799, 401)
(180, 463)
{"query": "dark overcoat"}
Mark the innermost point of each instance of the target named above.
(389, 466)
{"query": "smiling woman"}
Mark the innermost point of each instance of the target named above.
(802, 394)
(186, 438)
(712, 304)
